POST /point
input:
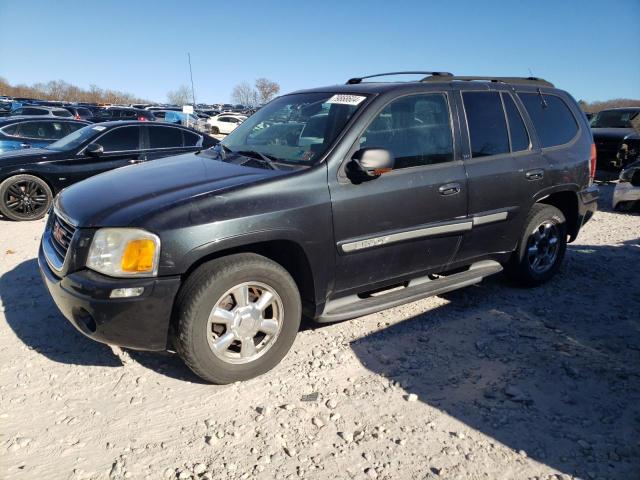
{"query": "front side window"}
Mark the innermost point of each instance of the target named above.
(551, 117)
(276, 130)
(120, 139)
(486, 123)
(76, 139)
(416, 129)
(165, 137)
(517, 130)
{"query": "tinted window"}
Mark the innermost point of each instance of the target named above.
(33, 111)
(11, 129)
(487, 125)
(128, 114)
(165, 137)
(41, 130)
(416, 129)
(72, 127)
(190, 138)
(125, 138)
(551, 118)
(62, 113)
(519, 135)
(83, 112)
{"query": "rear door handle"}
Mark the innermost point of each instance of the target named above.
(534, 174)
(449, 189)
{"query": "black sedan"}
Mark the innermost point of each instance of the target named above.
(17, 133)
(30, 178)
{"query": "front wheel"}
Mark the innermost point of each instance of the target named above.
(541, 247)
(24, 197)
(237, 317)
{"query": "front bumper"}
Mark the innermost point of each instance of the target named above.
(625, 192)
(141, 323)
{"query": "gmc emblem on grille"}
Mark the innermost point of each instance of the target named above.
(58, 233)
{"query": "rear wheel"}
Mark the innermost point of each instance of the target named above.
(541, 248)
(24, 197)
(237, 317)
(215, 130)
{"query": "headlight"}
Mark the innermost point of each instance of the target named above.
(124, 252)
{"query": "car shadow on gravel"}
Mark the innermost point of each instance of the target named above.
(32, 315)
(553, 371)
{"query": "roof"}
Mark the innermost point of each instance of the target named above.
(41, 118)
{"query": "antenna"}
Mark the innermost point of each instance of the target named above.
(193, 92)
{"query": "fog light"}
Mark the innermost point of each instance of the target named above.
(126, 292)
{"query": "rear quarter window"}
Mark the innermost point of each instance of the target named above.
(551, 117)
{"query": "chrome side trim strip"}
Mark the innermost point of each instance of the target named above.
(408, 235)
(492, 217)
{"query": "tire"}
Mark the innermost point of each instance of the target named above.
(203, 344)
(543, 223)
(215, 131)
(24, 197)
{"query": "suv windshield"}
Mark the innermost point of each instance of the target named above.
(296, 128)
(615, 119)
(76, 138)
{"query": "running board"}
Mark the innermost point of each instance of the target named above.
(354, 306)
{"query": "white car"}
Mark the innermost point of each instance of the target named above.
(627, 191)
(225, 123)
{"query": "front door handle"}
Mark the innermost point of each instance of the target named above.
(449, 189)
(534, 174)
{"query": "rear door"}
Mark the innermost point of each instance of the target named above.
(409, 221)
(504, 168)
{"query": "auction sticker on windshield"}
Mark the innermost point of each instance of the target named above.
(343, 99)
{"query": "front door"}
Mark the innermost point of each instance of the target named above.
(409, 221)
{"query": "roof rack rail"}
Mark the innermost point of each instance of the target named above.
(355, 80)
(520, 80)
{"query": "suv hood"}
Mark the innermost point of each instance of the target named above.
(121, 196)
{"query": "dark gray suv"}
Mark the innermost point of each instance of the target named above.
(330, 203)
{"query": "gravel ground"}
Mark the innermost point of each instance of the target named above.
(490, 382)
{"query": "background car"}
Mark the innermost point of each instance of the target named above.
(224, 123)
(30, 178)
(41, 111)
(79, 112)
(17, 133)
(122, 113)
(626, 195)
(609, 128)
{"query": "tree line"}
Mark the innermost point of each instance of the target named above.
(59, 90)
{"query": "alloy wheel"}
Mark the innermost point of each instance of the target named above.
(26, 198)
(542, 247)
(245, 322)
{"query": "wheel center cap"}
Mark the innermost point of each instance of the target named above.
(247, 321)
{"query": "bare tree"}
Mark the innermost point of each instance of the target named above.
(244, 94)
(266, 89)
(180, 96)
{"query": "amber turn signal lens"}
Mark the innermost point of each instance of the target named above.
(138, 256)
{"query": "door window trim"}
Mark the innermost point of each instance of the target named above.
(356, 144)
(81, 152)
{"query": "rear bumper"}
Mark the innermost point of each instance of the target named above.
(587, 204)
(140, 323)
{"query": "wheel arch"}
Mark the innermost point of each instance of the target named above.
(567, 202)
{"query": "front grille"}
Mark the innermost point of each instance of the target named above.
(61, 235)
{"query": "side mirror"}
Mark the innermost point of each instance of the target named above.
(94, 150)
(369, 163)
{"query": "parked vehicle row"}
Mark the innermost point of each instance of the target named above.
(331, 203)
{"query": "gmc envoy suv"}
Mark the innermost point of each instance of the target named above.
(329, 203)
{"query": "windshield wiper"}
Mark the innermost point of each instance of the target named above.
(268, 159)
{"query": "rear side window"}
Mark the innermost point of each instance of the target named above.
(33, 111)
(120, 139)
(11, 129)
(416, 129)
(164, 137)
(190, 139)
(62, 113)
(519, 135)
(72, 127)
(42, 130)
(487, 125)
(551, 117)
